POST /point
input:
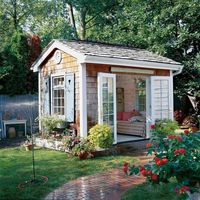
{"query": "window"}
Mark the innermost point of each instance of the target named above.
(140, 95)
(58, 106)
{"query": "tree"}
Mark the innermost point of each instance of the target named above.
(89, 13)
(17, 57)
(169, 28)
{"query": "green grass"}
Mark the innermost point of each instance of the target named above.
(151, 192)
(16, 167)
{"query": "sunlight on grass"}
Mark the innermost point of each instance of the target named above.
(16, 167)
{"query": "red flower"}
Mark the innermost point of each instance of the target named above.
(176, 152)
(179, 151)
(148, 145)
(164, 161)
(158, 161)
(182, 150)
(179, 138)
(186, 131)
(184, 188)
(142, 168)
(143, 172)
(154, 177)
(152, 126)
(171, 136)
(125, 167)
(149, 172)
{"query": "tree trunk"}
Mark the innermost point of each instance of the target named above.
(14, 3)
(83, 24)
(72, 20)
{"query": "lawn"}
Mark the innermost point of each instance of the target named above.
(151, 192)
(16, 167)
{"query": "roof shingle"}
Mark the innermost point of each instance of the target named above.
(115, 51)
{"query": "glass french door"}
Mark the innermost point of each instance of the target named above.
(107, 101)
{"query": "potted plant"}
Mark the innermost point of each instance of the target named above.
(51, 122)
(28, 145)
(83, 149)
(175, 156)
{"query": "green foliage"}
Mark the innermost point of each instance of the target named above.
(83, 149)
(101, 136)
(175, 156)
(166, 126)
(50, 122)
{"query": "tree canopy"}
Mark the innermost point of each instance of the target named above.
(169, 28)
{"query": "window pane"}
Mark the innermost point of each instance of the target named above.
(58, 95)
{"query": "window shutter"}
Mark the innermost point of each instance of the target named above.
(69, 97)
(47, 95)
(161, 98)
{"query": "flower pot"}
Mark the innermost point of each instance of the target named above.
(28, 147)
(83, 155)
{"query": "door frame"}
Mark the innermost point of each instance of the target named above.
(100, 107)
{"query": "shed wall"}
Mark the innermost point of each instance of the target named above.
(68, 64)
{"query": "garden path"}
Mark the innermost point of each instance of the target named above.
(108, 185)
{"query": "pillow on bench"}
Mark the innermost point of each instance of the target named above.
(126, 116)
(119, 115)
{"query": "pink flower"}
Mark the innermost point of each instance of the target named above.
(184, 188)
(176, 189)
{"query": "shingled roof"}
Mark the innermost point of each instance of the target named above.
(115, 51)
(101, 53)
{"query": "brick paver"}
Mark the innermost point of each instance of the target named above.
(108, 185)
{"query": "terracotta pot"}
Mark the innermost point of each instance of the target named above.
(83, 155)
(29, 147)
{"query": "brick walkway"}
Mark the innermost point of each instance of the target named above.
(108, 185)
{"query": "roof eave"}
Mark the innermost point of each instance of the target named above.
(131, 63)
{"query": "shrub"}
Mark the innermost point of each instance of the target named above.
(166, 126)
(101, 136)
(175, 156)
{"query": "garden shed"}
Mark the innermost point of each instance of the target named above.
(88, 83)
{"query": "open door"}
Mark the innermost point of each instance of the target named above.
(107, 101)
(161, 98)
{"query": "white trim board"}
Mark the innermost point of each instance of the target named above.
(132, 70)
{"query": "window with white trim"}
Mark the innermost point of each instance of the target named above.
(140, 94)
(58, 89)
